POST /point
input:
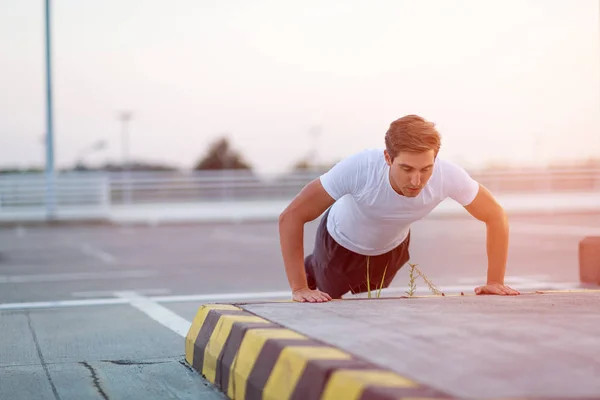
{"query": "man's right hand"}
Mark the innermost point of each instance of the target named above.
(311, 296)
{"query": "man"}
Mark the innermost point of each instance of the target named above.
(370, 199)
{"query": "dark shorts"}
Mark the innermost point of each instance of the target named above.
(336, 270)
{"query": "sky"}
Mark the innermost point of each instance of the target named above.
(507, 81)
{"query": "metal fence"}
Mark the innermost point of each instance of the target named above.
(103, 190)
(29, 191)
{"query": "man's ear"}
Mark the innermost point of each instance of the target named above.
(388, 159)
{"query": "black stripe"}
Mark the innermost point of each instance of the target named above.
(317, 373)
(265, 362)
(231, 348)
(205, 332)
(392, 393)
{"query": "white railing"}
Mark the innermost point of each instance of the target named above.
(97, 192)
(242, 186)
(200, 187)
(30, 191)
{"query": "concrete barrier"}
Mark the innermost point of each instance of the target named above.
(426, 347)
(589, 260)
(249, 357)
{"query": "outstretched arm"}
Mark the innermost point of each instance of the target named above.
(485, 208)
(311, 202)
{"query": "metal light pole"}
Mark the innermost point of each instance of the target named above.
(50, 178)
(125, 117)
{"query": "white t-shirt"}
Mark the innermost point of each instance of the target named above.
(369, 217)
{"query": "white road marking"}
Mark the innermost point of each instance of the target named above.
(157, 312)
(223, 297)
(75, 276)
(60, 304)
(111, 293)
(543, 229)
(282, 295)
(105, 257)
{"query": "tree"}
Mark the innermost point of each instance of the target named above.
(17, 170)
(301, 165)
(221, 155)
(304, 164)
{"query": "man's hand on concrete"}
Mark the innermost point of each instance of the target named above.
(311, 296)
(496, 288)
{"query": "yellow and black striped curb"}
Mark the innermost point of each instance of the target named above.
(248, 357)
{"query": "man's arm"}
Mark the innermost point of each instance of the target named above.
(311, 202)
(485, 208)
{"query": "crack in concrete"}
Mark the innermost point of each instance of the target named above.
(185, 364)
(42, 361)
(130, 362)
(96, 380)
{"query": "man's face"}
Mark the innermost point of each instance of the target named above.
(409, 172)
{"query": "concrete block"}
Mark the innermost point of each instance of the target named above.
(248, 357)
(589, 260)
(427, 347)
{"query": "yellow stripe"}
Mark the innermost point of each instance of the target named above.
(250, 348)
(190, 339)
(350, 384)
(217, 341)
(291, 364)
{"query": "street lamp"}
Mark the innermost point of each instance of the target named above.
(50, 184)
(125, 117)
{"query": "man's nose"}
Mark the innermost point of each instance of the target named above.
(416, 179)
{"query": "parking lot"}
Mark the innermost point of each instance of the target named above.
(101, 311)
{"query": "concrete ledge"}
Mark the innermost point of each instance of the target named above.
(248, 357)
(426, 347)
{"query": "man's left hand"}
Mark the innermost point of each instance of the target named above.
(496, 288)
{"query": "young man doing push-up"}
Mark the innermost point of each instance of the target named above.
(369, 201)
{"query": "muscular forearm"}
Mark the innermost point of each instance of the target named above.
(497, 249)
(291, 236)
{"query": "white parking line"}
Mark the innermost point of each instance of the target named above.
(223, 297)
(103, 256)
(110, 293)
(160, 314)
(266, 296)
(76, 276)
(60, 304)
